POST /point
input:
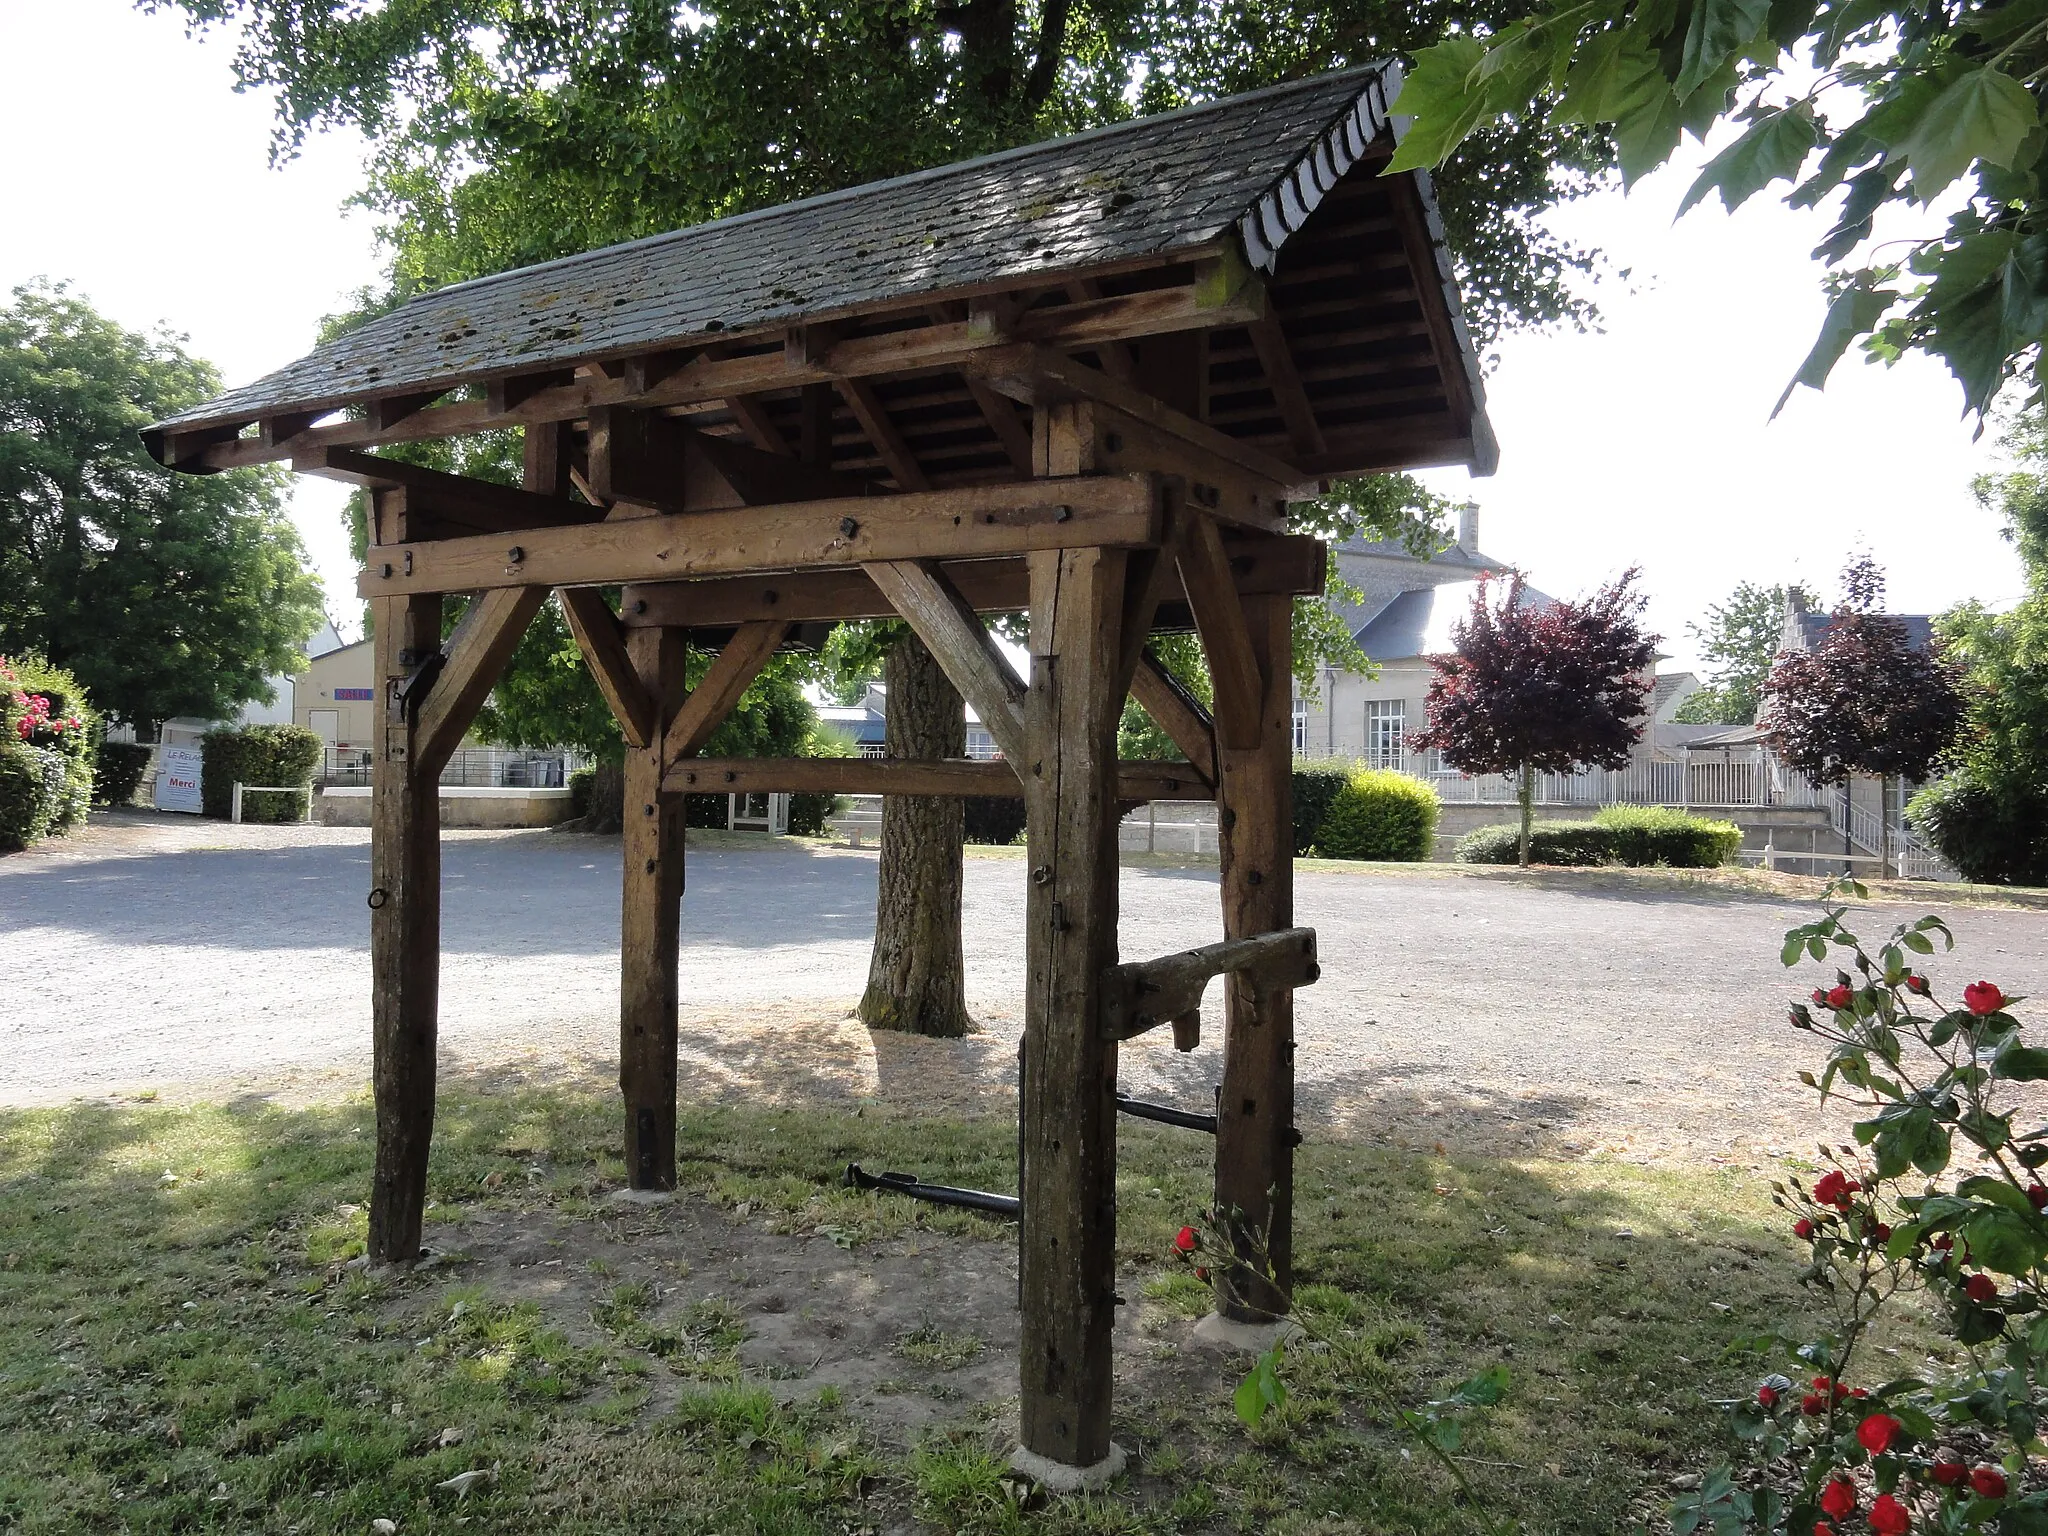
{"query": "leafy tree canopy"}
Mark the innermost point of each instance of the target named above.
(1740, 641)
(1856, 104)
(511, 131)
(166, 594)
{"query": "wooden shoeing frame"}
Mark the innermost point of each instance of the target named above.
(1093, 553)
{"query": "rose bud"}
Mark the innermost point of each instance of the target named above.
(1838, 1499)
(1948, 1473)
(1768, 1396)
(1820, 995)
(1982, 997)
(1915, 982)
(1184, 1239)
(1987, 1482)
(1888, 1517)
(1839, 996)
(1876, 1433)
(1981, 1289)
(1803, 1227)
(2037, 1195)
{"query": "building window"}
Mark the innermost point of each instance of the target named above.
(1385, 730)
(1301, 727)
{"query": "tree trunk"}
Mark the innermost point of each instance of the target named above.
(1526, 794)
(917, 979)
(607, 799)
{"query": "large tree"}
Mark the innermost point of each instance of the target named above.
(1542, 687)
(1740, 641)
(1868, 106)
(164, 594)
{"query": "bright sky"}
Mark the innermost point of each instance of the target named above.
(143, 179)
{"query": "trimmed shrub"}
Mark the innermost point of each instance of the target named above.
(27, 795)
(269, 755)
(1992, 835)
(1631, 835)
(1316, 785)
(45, 713)
(1657, 834)
(807, 813)
(579, 791)
(1380, 814)
(120, 771)
(997, 820)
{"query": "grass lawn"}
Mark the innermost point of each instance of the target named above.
(183, 1347)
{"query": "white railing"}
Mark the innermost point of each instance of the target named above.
(1751, 780)
(1910, 854)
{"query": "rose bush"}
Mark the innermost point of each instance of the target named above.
(49, 738)
(1937, 1198)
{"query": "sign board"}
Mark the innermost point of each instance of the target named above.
(355, 693)
(177, 778)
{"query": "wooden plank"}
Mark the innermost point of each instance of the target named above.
(1067, 1089)
(603, 644)
(477, 652)
(546, 459)
(405, 931)
(1291, 564)
(880, 431)
(1255, 1107)
(1178, 713)
(1143, 994)
(948, 626)
(1040, 375)
(732, 670)
(962, 523)
(1277, 361)
(1220, 621)
(705, 378)
(650, 927)
(1136, 781)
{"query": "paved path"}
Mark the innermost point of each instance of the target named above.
(1574, 1011)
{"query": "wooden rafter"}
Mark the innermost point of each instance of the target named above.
(603, 645)
(1270, 342)
(1116, 357)
(879, 430)
(946, 623)
(734, 668)
(752, 415)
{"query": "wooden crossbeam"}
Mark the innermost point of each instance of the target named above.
(946, 623)
(477, 652)
(734, 668)
(1143, 994)
(1275, 358)
(1119, 511)
(603, 644)
(1226, 641)
(483, 505)
(1292, 565)
(705, 378)
(1136, 781)
(1177, 712)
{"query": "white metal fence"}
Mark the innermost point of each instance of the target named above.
(1753, 779)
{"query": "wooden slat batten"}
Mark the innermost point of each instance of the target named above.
(405, 929)
(1112, 510)
(650, 925)
(1136, 780)
(1067, 1090)
(1255, 835)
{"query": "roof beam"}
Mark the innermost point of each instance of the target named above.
(1270, 342)
(480, 504)
(952, 632)
(1177, 712)
(880, 431)
(1226, 637)
(703, 379)
(477, 652)
(1118, 511)
(732, 671)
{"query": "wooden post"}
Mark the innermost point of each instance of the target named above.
(650, 924)
(405, 926)
(1067, 1176)
(1255, 1108)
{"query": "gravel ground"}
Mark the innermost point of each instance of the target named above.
(1575, 1013)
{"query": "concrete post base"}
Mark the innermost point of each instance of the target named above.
(1058, 1477)
(1219, 1332)
(640, 1197)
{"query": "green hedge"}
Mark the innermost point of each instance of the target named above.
(1378, 813)
(997, 820)
(1621, 834)
(579, 791)
(1993, 834)
(258, 754)
(120, 771)
(1316, 786)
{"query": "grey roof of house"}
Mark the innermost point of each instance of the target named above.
(1919, 628)
(1254, 165)
(1418, 622)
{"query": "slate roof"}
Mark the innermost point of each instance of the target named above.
(1254, 165)
(1418, 622)
(1812, 628)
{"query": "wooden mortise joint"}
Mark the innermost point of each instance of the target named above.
(1144, 994)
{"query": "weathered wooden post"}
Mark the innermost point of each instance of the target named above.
(650, 927)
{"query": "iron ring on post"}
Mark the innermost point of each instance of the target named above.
(378, 898)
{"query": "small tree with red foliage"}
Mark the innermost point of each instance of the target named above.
(1547, 688)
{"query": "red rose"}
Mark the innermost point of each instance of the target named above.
(2037, 1195)
(1838, 997)
(1875, 1434)
(1982, 997)
(1859, 1391)
(1768, 1396)
(1813, 1404)
(1888, 1516)
(1802, 1227)
(1987, 1482)
(1944, 1241)
(1832, 1187)
(1948, 1473)
(1184, 1239)
(1820, 996)
(1839, 1498)
(1883, 1232)
(1981, 1289)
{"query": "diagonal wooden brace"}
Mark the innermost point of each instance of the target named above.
(477, 652)
(714, 697)
(943, 620)
(1144, 994)
(603, 644)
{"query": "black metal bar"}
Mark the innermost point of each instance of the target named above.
(1166, 1114)
(937, 1194)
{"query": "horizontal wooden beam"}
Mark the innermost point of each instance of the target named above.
(483, 505)
(1118, 511)
(705, 378)
(1144, 994)
(1292, 564)
(901, 776)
